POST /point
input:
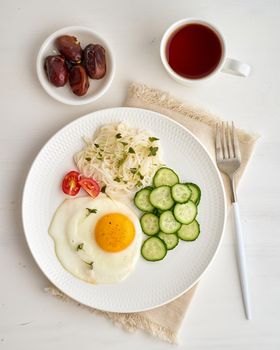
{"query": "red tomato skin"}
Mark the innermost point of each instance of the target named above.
(70, 183)
(90, 186)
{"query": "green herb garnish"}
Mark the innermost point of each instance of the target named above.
(131, 150)
(121, 161)
(103, 189)
(133, 170)
(99, 156)
(80, 246)
(96, 145)
(139, 184)
(88, 159)
(117, 179)
(124, 143)
(152, 139)
(119, 136)
(90, 264)
(140, 175)
(91, 211)
(153, 151)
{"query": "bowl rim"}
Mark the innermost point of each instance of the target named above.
(43, 80)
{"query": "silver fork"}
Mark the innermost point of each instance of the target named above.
(228, 159)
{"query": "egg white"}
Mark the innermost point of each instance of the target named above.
(72, 225)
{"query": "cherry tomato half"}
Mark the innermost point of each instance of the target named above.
(90, 186)
(70, 183)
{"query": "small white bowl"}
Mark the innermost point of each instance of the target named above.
(64, 94)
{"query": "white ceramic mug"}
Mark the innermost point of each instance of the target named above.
(227, 65)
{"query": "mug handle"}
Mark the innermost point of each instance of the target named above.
(235, 67)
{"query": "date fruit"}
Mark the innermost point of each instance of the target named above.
(56, 70)
(70, 48)
(78, 80)
(94, 61)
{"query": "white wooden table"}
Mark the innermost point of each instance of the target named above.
(31, 319)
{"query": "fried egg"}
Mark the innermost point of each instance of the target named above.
(97, 240)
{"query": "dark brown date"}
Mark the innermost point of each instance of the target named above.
(78, 80)
(56, 70)
(95, 61)
(70, 48)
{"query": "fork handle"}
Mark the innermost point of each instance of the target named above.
(241, 260)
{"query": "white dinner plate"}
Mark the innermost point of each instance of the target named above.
(152, 283)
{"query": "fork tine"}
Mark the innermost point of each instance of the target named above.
(219, 152)
(235, 143)
(229, 142)
(224, 141)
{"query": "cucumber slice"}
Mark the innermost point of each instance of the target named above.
(161, 198)
(196, 193)
(181, 193)
(168, 223)
(189, 232)
(185, 213)
(170, 239)
(165, 176)
(150, 224)
(153, 249)
(142, 201)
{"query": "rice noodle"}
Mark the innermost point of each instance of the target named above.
(109, 159)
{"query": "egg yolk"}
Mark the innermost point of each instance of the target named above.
(114, 232)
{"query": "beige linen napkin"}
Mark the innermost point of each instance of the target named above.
(165, 321)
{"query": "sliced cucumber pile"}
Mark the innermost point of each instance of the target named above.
(170, 211)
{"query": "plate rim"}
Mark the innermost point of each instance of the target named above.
(76, 120)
